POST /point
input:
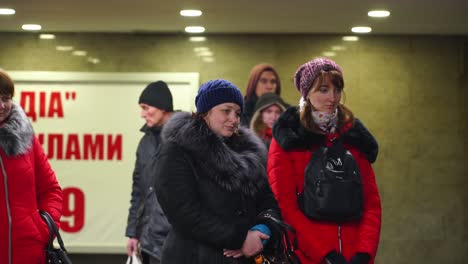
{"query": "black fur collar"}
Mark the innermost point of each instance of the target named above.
(16, 133)
(290, 134)
(235, 164)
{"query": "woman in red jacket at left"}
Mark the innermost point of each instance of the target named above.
(27, 185)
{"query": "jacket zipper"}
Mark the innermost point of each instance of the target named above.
(5, 182)
(339, 239)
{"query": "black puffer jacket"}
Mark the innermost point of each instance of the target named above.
(213, 191)
(146, 220)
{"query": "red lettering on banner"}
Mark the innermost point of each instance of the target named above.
(55, 105)
(40, 137)
(30, 98)
(114, 147)
(73, 211)
(95, 148)
(90, 147)
(42, 103)
(47, 109)
(52, 141)
(73, 147)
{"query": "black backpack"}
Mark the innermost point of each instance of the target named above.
(332, 186)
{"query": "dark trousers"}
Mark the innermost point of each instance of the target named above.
(148, 259)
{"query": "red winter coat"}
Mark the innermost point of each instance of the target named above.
(27, 184)
(288, 157)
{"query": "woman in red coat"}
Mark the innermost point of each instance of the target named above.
(319, 120)
(27, 185)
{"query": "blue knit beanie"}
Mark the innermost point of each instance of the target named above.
(215, 92)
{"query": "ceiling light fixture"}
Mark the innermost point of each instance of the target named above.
(7, 11)
(350, 38)
(205, 53)
(378, 13)
(79, 53)
(194, 29)
(338, 48)
(64, 48)
(208, 59)
(31, 27)
(190, 13)
(201, 49)
(46, 36)
(329, 54)
(197, 39)
(94, 60)
(361, 29)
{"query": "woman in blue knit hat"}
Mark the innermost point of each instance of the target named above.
(212, 184)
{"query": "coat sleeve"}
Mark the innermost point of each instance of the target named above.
(135, 199)
(370, 224)
(281, 175)
(176, 188)
(48, 191)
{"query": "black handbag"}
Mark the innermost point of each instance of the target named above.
(283, 251)
(54, 255)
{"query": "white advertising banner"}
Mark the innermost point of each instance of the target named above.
(89, 126)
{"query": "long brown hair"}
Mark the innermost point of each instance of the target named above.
(7, 87)
(345, 115)
(254, 76)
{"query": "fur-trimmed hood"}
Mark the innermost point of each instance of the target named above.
(290, 134)
(16, 134)
(235, 164)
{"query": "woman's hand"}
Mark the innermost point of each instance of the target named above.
(233, 253)
(253, 243)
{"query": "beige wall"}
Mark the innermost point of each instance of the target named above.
(410, 91)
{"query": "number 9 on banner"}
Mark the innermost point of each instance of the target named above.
(73, 212)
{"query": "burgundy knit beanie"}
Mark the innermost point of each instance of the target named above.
(306, 74)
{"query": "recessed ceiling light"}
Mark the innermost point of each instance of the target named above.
(197, 39)
(361, 29)
(329, 54)
(64, 48)
(46, 36)
(32, 27)
(190, 13)
(194, 29)
(208, 59)
(94, 60)
(7, 11)
(205, 53)
(79, 53)
(200, 49)
(350, 38)
(338, 48)
(378, 13)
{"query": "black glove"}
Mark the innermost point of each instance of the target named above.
(360, 258)
(335, 258)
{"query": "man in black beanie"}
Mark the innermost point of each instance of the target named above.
(147, 224)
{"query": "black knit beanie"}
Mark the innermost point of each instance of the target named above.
(158, 95)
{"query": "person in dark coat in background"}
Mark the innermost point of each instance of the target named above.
(27, 185)
(320, 120)
(212, 184)
(267, 110)
(262, 79)
(147, 224)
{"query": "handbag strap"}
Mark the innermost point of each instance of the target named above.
(53, 230)
(284, 228)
